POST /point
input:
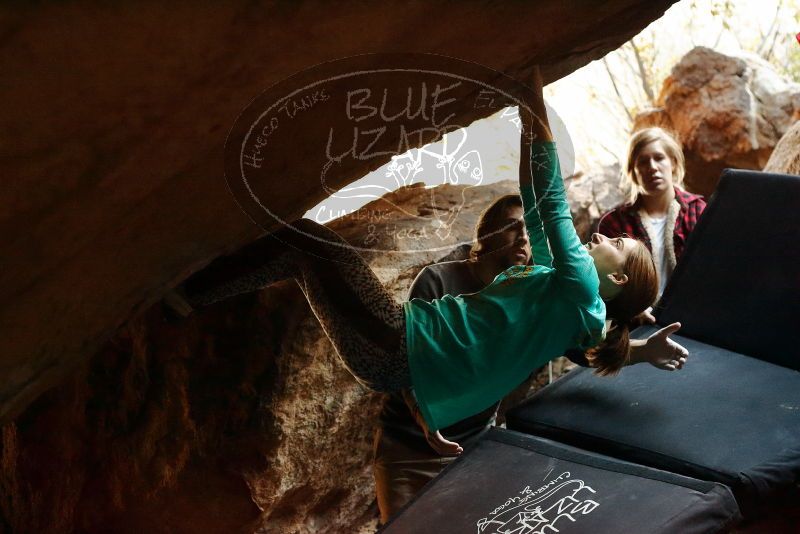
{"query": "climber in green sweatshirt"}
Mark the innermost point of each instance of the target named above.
(461, 353)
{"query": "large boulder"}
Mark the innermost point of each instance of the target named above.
(727, 111)
(238, 419)
(114, 123)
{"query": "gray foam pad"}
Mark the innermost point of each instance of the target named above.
(725, 417)
(510, 483)
(737, 285)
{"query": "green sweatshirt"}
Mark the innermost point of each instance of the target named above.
(467, 352)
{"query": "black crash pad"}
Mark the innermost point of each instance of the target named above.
(510, 483)
(737, 285)
(726, 417)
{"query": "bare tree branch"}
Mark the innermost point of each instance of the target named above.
(738, 41)
(771, 47)
(648, 90)
(610, 152)
(719, 36)
(616, 89)
(772, 32)
(623, 53)
(653, 62)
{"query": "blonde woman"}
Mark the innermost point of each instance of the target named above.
(660, 212)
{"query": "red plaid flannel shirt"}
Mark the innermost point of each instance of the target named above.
(626, 220)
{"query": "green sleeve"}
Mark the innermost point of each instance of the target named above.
(533, 224)
(570, 259)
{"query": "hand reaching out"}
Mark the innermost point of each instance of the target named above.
(535, 126)
(662, 352)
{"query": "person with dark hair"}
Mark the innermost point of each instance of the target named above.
(659, 211)
(493, 221)
(458, 355)
(405, 455)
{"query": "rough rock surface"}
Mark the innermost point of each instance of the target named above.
(113, 128)
(727, 112)
(786, 156)
(592, 193)
(239, 419)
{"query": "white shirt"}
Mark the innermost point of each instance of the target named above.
(656, 228)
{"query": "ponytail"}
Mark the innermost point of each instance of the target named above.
(637, 294)
(613, 353)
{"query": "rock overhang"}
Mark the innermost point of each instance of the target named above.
(115, 125)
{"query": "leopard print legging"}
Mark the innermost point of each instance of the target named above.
(362, 320)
